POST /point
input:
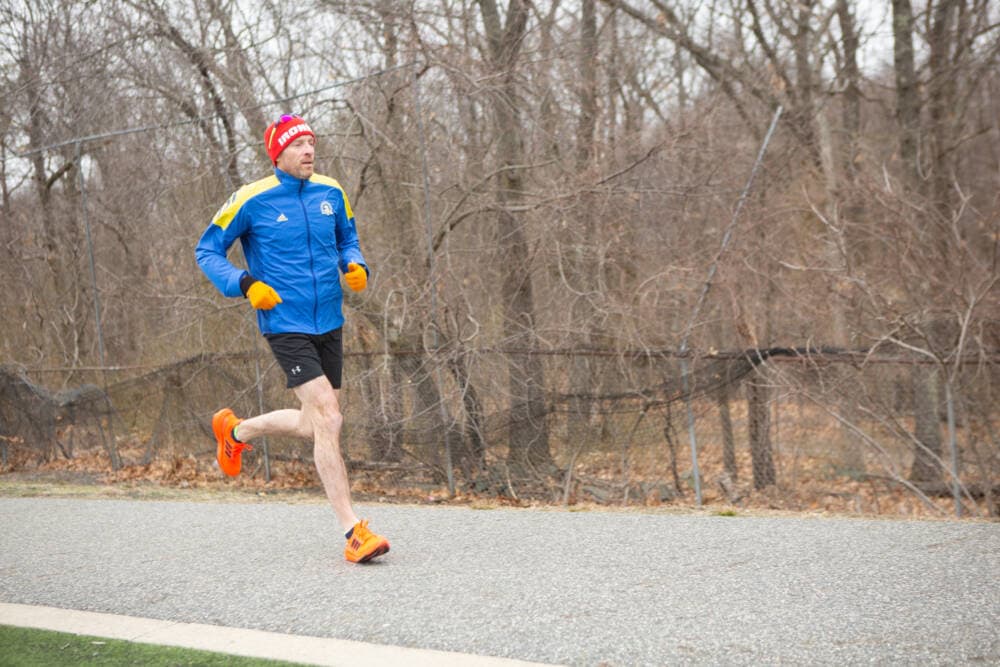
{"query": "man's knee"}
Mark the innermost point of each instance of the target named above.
(329, 418)
(321, 406)
(304, 429)
(326, 416)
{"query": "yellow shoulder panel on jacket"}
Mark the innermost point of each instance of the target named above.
(326, 180)
(229, 210)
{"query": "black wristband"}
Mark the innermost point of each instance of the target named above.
(245, 282)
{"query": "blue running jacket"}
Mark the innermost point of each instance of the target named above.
(297, 236)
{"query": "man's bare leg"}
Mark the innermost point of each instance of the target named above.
(320, 419)
(288, 422)
(321, 408)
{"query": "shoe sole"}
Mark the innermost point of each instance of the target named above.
(379, 550)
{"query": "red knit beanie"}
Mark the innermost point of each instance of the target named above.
(282, 132)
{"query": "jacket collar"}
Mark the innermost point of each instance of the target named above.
(288, 179)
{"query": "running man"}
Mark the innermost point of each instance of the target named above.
(298, 235)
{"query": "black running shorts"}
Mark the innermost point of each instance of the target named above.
(305, 357)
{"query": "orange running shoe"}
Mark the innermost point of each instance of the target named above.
(363, 545)
(230, 452)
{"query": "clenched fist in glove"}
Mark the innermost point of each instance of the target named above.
(262, 296)
(356, 277)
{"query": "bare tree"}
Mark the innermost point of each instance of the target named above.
(49, 102)
(582, 161)
(528, 439)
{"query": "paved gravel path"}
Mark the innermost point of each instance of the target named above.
(579, 588)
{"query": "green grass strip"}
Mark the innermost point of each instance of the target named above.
(27, 647)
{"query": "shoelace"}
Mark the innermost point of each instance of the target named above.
(361, 530)
(234, 448)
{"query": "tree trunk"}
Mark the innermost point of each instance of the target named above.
(807, 116)
(528, 433)
(759, 422)
(587, 120)
(386, 432)
(851, 118)
(430, 424)
(907, 95)
(722, 397)
(941, 108)
(927, 430)
(927, 425)
(471, 450)
(60, 238)
(579, 236)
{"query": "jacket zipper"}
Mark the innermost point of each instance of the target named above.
(312, 261)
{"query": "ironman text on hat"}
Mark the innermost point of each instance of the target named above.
(290, 133)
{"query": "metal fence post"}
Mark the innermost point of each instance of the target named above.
(683, 351)
(953, 445)
(112, 446)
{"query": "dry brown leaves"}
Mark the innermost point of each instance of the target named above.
(806, 484)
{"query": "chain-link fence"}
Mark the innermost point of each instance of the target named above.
(787, 429)
(618, 258)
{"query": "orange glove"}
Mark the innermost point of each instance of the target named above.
(356, 277)
(262, 296)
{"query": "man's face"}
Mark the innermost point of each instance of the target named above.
(297, 159)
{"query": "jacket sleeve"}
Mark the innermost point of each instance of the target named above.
(347, 238)
(222, 232)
